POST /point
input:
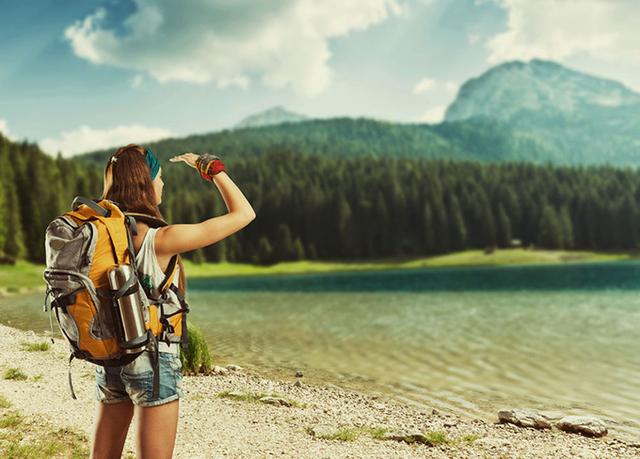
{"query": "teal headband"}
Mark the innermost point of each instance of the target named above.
(152, 162)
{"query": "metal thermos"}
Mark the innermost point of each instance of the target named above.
(130, 311)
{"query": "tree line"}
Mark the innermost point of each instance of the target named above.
(368, 207)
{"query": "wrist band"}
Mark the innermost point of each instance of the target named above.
(209, 165)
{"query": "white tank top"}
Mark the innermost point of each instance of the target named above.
(151, 275)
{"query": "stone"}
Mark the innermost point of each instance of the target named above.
(523, 418)
(322, 430)
(233, 367)
(217, 370)
(298, 383)
(275, 401)
(589, 426)
(407, 437)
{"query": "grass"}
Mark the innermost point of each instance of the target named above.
(255, 397)
(4, 403)
(22, 275)
(377, 433)
(198, 358)
(36, 347)
(431, 438)
(469, 438)
(14, 373)
(464, 258)
(26, 275)
(33, 442)
(435, 438)
(25, 438)
(344, 434)
(11, 419)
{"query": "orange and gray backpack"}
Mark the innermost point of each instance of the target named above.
(106, 314)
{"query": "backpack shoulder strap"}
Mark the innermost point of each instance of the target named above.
(78, 200)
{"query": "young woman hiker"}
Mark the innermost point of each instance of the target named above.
(133, 179)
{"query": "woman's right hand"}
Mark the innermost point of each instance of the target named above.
(189, 158)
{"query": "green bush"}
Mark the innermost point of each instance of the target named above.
(197, 359)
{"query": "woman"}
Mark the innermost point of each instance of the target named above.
(133, 179)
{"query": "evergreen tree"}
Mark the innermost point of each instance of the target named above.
(550, 231)
(504, 228)
(298, 249)
(567, 229)
(265, 251)
(457, 227)
(283, 247)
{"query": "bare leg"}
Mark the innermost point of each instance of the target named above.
(156, 428)
(111, 429)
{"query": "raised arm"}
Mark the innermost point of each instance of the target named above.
(181, 238)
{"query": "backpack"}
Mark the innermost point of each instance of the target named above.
(83, 248)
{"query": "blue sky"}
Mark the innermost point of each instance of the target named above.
(94, 74)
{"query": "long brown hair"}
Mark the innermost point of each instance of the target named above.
(128, 183)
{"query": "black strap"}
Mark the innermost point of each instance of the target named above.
(73, 394)
(129, 287)
(132, 224)
(132, 230)
(155, 358)
(184, 339)
(63, 301)
(168, 273)
(78, 200)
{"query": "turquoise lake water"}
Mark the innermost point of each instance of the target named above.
(465, 340)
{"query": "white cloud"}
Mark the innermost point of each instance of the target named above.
(86, 139)
(434, 115)
(428, 84)
(4, 129)
(557, 30)
(228, 43)
(424, 85)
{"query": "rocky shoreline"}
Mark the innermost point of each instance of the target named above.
(237, 413)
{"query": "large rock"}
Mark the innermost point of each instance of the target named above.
(585, 425)
(524, 418)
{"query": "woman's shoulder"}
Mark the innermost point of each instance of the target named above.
(138, 239)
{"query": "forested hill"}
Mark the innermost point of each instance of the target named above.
(315, 207)
(480, 139)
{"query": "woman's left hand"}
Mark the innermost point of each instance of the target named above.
(189, 158)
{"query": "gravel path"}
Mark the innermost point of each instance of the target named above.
(215, 427)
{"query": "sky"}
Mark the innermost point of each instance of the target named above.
(81, 75)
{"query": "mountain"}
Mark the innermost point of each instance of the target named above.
(537, 111)
(581, 118)
(273, 115)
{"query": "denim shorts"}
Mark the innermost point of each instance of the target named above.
(134, 381)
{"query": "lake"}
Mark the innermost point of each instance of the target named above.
(464, 340)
